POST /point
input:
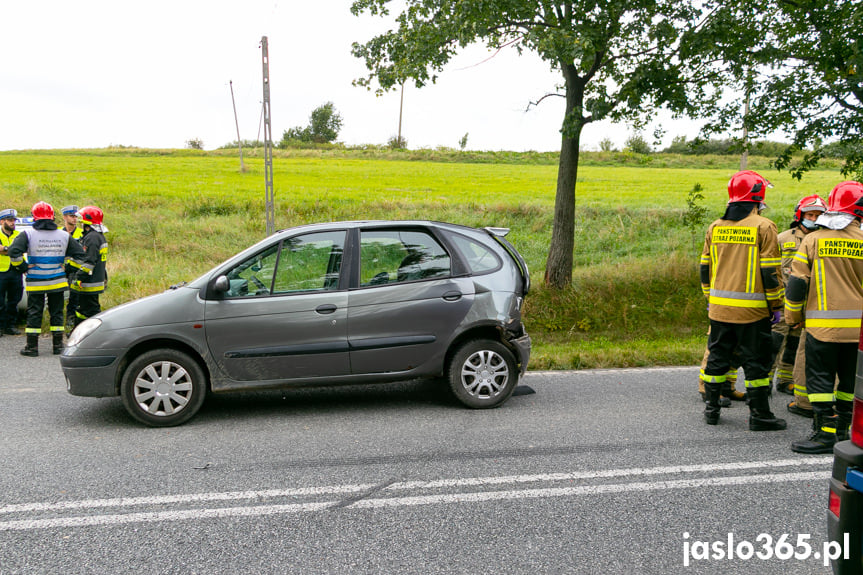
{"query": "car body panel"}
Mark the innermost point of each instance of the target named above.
(400, 327)
(279, 337)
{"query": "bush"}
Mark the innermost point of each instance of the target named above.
(637, 144)
(397, 143)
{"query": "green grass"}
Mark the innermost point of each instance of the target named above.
(635, 299)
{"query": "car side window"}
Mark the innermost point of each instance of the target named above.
(480, 259)
(310, 262)
(254, 276)
(397, 256)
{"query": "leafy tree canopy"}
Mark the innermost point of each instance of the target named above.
(619, 60)
(324, 126)
(802, 66)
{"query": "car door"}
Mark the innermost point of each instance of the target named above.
(407, 304)
(284, 316)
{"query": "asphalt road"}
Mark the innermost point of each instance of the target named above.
(597, 472)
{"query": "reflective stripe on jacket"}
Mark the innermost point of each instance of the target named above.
(740, 269)
(827, 284)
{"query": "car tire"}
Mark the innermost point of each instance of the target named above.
(163, 387)
(482, 373)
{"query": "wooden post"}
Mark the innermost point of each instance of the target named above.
(237, 124)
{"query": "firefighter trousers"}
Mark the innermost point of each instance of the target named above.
(825, 362)
(752, 341)
(35, 307)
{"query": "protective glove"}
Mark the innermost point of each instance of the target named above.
(776, 318)
(76, 285)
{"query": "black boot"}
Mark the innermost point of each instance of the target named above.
(711, 405)
(57, 340)
(760, 416)
(822, 439)
(843, 426)
(31, 349)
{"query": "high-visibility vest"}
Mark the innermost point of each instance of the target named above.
(46, 254)
(5, 260)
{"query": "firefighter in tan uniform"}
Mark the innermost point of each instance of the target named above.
(741, 278)
(826, 286)
(805, 213)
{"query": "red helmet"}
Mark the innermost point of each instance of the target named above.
(747, 186)
(42, 211)
(812, 203)
(847, 197)
(91, 215)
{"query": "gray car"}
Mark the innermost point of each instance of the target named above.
(335, 303)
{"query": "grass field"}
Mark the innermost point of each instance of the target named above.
(635, 299)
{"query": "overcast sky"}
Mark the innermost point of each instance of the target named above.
(93, 73)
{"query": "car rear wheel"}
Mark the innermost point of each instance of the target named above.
(163, 387)
(482, 374)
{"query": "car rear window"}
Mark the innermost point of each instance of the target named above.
(479, 258)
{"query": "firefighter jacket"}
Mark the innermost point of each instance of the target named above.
(740, 269)
(70, 269)
(47, 249)
(789, 242)
(5, 261)
(92, 275)
(827, 283)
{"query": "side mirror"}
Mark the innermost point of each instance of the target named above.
(221, 285)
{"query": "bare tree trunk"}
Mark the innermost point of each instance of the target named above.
(558, 268)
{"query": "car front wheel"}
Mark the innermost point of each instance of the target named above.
(482, 374)
(163, 387)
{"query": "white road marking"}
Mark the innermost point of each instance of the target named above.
(184, 498)
(96, 519)
(751, 480)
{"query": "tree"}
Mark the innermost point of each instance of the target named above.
(324, 126)
(804, 76)
(619, 59)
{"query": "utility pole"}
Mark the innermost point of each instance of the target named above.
(401, 105)
(237, 124)
(268, 141)
(744, 158)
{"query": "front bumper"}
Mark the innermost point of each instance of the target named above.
(847, 484)
(90, 375)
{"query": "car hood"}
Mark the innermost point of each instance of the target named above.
(172, 306)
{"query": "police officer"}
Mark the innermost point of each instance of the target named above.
(11, 283)
(90, 280)
(70, 224)
(826, 286)
(806, 212)
(741, 278)
(47, 248)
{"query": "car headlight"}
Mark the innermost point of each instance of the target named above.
(84, 329)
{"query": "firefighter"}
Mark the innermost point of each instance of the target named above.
(70, 224)
(741, 278)
(826, 286)
(91, 279)
(47, 248)
(805, 213)
(11, 286)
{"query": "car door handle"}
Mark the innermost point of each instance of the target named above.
(452, 296)
(325, 309)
